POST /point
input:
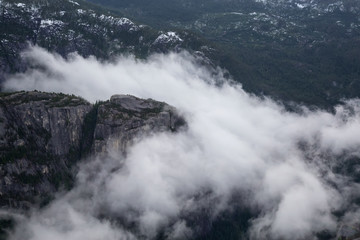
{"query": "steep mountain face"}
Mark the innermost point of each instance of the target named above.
(44, 135)
(299, 50)
(39, 133)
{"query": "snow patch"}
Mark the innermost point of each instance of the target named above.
(22, 5)
(81, 11)
(339, 23)
(75, 3)
(124, 23)
(49, 22)
(236, 13)
(301, 6)
(337, 5)
(169, 37)
(34, 9)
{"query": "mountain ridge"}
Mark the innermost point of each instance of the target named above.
(301, 51)
(44, 135)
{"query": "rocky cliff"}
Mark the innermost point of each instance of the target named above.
(43, 135)
(124, 118)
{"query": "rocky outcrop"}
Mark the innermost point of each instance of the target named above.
(124, 118)
(43, 135)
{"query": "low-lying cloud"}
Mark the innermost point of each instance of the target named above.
(238, 151)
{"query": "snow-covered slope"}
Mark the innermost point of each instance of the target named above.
(67, 26)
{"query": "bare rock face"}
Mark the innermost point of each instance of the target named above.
(124, 118)
(43, 135)
(40, 134)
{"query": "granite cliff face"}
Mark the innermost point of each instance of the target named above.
(43, 135)
(124, 118)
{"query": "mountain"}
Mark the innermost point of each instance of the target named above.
(66, 27)
(295, 51)
(44, 136)
(301, 50)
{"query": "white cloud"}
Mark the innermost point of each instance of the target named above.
(235, 143)
(62, 221)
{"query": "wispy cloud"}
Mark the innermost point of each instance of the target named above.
(238, 149)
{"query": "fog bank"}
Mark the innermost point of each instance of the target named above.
(238, 150)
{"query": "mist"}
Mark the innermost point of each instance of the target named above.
(239, 151)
